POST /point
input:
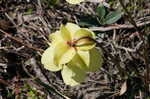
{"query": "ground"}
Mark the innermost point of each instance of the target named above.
(24, 30)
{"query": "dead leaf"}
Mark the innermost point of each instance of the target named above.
(123, 88)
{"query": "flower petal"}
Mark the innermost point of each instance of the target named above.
(85, 44)
(63, 53)
(67, 56)
(85, 39)
(83, 32)
(65, 33)
(72, 28)
(74, 1)
(55, 37)
(86, 47)
(96, 60)
(78, 62)
(48, 60)
(85, 56)
(60, 49)
(72, 75)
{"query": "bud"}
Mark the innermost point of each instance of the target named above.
(85, 41)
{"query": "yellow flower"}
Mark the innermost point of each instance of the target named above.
(72, 51)
(74, 1)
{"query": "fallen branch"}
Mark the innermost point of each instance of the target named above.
(118, 26)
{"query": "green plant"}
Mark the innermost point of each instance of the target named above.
(50, 3)
(105, 18)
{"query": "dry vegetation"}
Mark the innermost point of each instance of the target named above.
(24, 30)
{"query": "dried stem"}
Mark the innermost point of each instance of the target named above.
(131, 20)
(118, 26)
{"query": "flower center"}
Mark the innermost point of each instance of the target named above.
(71, 43)
(83, 41)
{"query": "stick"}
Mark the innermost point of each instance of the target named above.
(118, 26)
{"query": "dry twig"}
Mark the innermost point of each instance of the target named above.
(118, 26)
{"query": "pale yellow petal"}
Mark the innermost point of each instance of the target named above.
(55, 37)
(86, 47)
(78, 62)
(65, 33)
(85, 39)
(84, 32)
(60, 49)
(48, 60)
(67, 56)
(85, 56)
(72, 28)
(72, 75)
(74, 1)
(96, 59)
(63, 53)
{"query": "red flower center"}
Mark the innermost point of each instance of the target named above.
(72, 44)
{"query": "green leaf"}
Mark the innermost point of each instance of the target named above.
(101, 11)
(50, 2)
(48, 60)
(88, 21)
(29, 11)
(112, 17)
(72, 75)
(53, 2)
